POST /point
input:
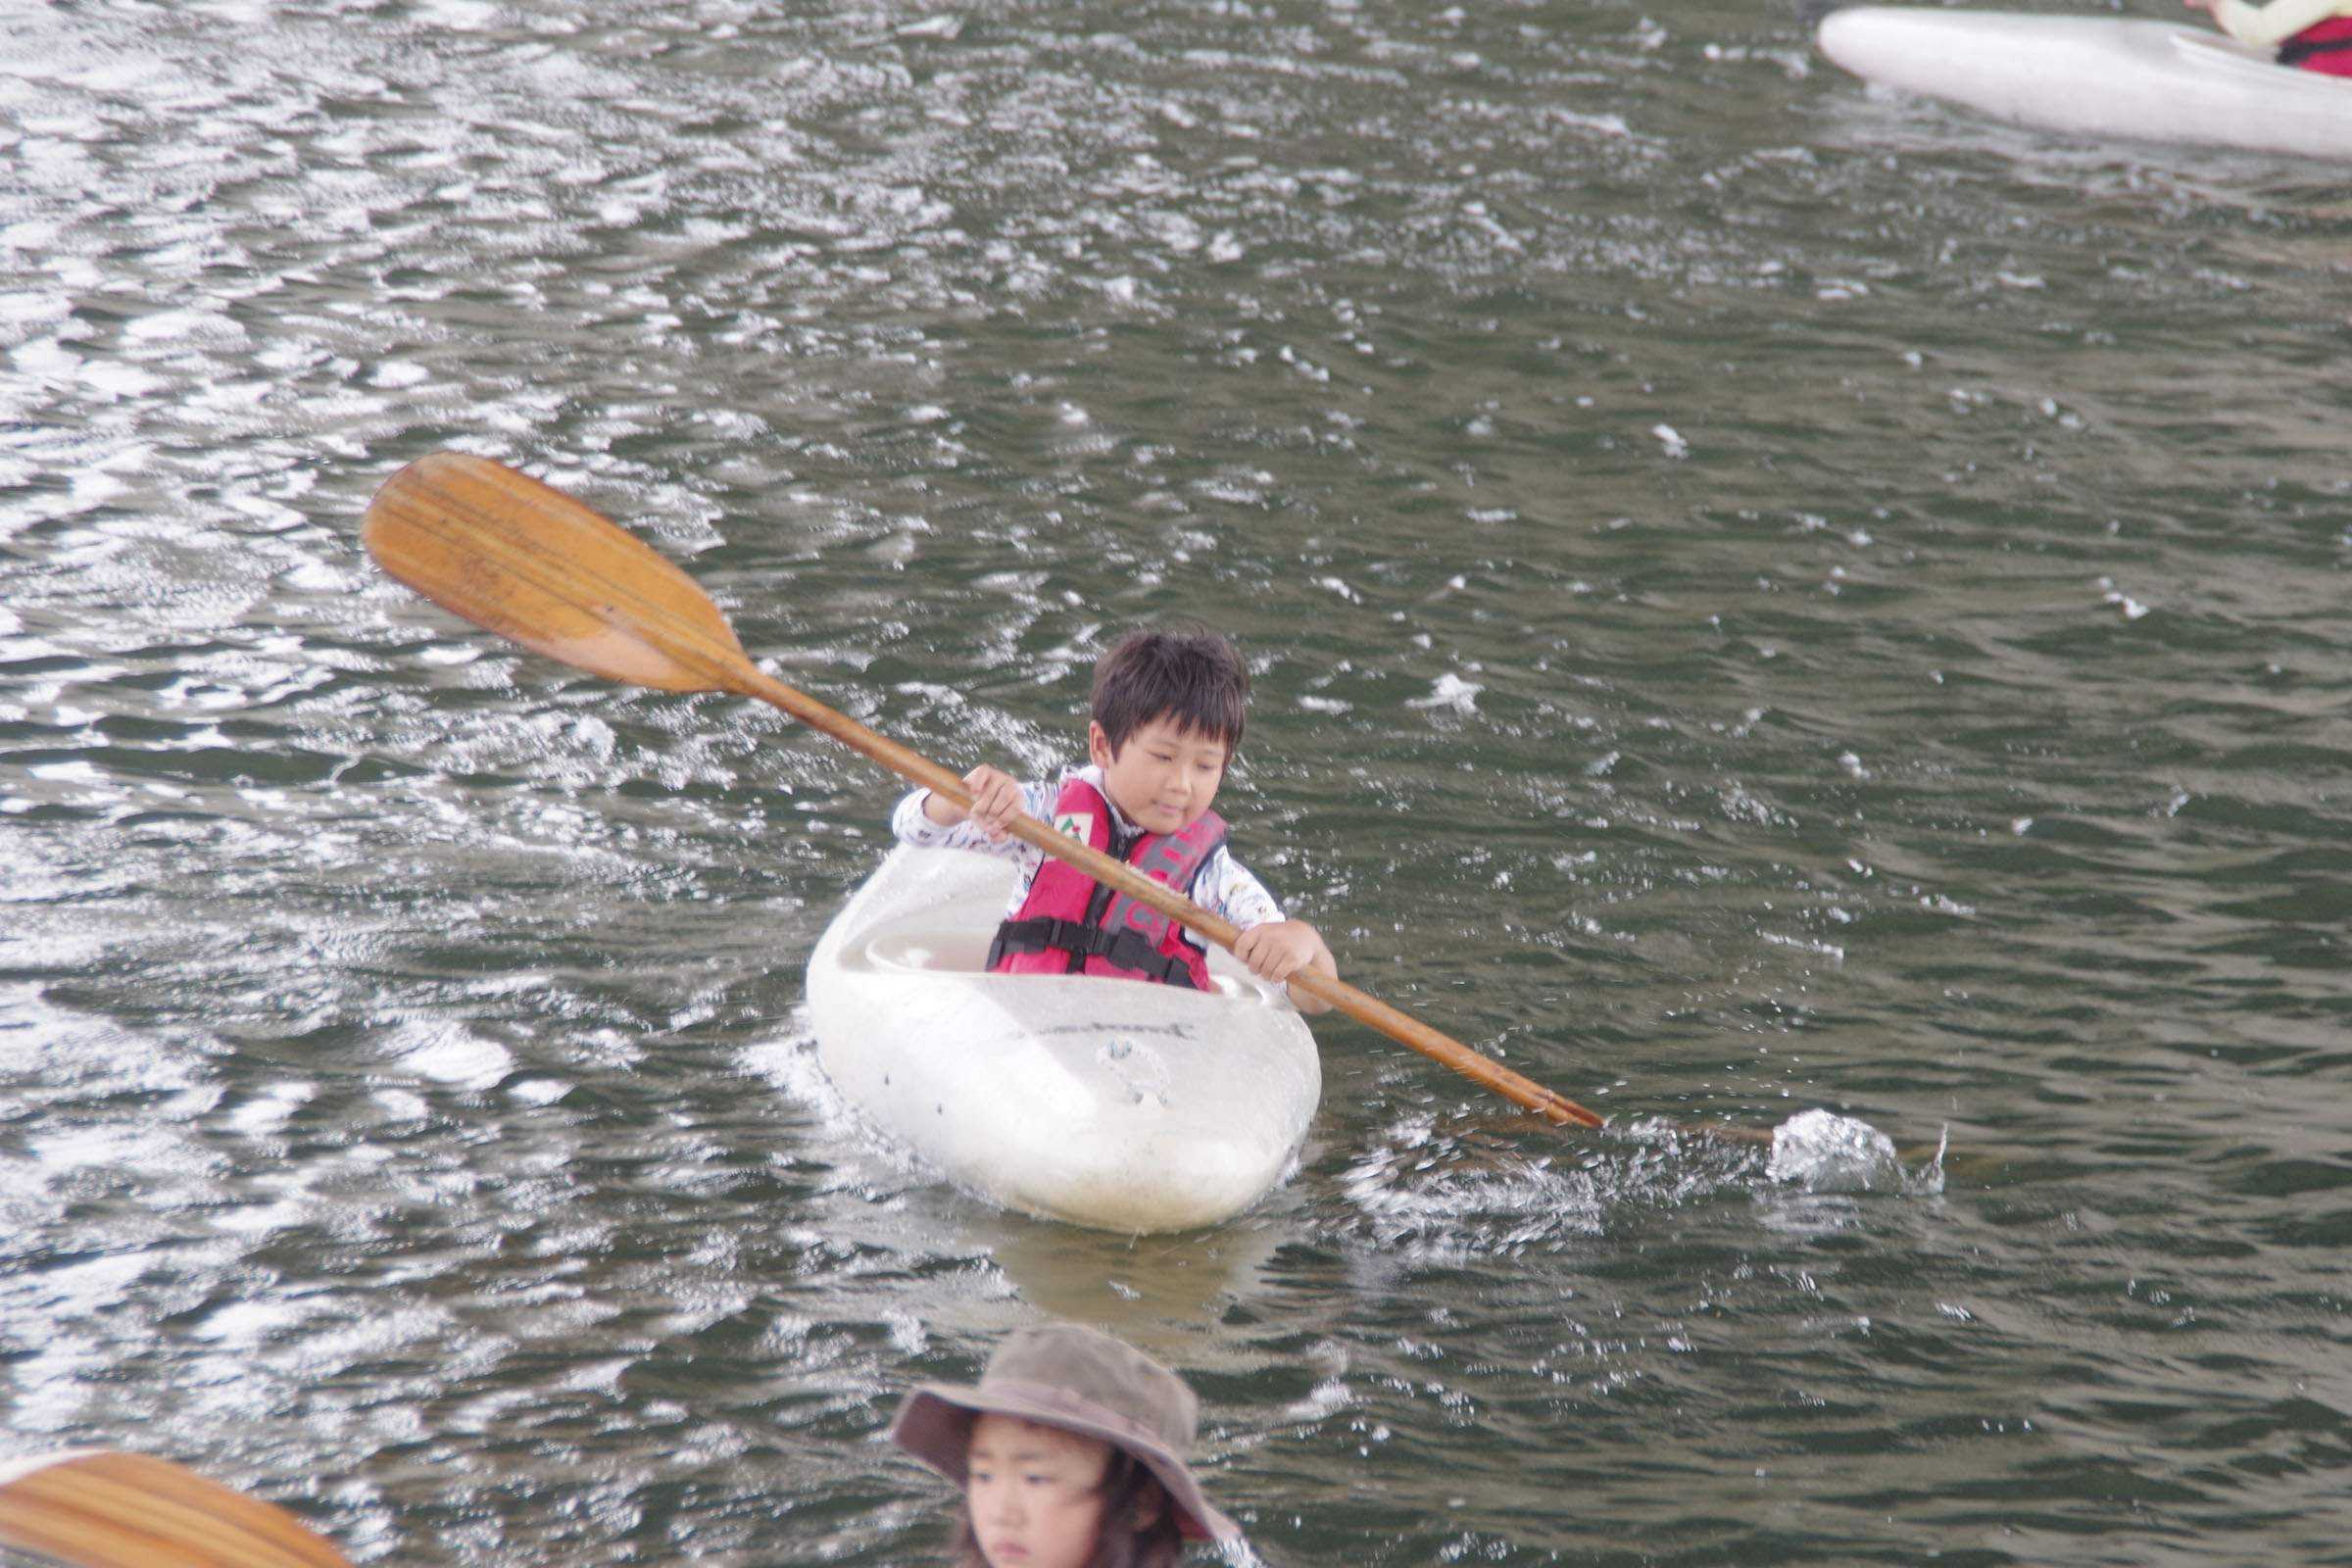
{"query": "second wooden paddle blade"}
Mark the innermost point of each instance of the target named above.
(529, 563)
(98, 1508)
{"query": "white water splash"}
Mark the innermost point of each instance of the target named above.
(1823, 1151)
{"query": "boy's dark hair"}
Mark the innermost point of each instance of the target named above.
(1189, 675)
(1127, 1487)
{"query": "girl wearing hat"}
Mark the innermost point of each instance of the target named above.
(1070, 1453)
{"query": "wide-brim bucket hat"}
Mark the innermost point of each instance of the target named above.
(1082, 1379)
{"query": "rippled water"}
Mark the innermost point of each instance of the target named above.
(1767, 599)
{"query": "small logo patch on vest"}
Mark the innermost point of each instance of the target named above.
(1079, 825)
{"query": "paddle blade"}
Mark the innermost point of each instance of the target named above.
(100, 1509)
(527, 561)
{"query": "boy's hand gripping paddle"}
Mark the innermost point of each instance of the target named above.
(98, 1508)
(529, 563)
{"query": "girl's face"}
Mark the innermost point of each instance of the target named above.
(1035, 1494)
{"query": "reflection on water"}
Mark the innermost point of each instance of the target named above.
(1767, 600)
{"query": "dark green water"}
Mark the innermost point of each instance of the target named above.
(1765, 597)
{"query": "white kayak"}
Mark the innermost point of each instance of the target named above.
(2098, 76)
(1108, 1102)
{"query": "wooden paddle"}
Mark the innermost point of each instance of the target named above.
(98, 1508)
(529, 563)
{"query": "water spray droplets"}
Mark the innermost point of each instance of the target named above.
(1823, 1151)
(1454, 1190)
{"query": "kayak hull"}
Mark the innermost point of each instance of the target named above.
(2097, 77)
(1107, 1102)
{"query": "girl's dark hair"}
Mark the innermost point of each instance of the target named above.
(1128, 1487)
(1189, 675)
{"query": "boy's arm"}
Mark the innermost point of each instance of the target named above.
(924, 818)
(996, 799)
(1272, 947)
(1280, 949)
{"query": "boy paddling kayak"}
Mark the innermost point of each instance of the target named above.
(1167, 717)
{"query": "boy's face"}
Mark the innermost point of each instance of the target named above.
(1165, 778)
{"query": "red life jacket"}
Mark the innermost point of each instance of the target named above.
(1072, 924)
(2324, 46)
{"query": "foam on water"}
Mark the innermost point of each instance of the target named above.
(869, 1164)
(1434, 1191)
(449, 1053)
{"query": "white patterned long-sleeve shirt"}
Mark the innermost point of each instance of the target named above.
(1224, 887)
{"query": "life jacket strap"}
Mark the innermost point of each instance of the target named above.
(2323, 38)
(1123, 949)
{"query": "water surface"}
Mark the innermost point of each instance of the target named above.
(1765, 597)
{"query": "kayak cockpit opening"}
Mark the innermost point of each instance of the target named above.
(932, 950)
(963, 949)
